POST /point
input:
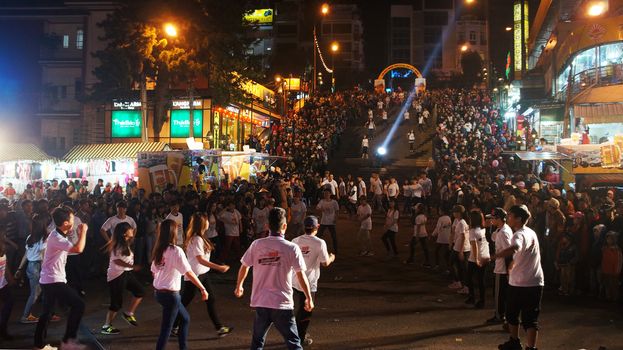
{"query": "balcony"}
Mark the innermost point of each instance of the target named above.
(592, 78)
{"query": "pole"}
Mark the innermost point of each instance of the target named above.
(314, 49)
(332, 72)
(144, 137)
(191, 102)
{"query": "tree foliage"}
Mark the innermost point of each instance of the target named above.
(210, 51)
(471, 64)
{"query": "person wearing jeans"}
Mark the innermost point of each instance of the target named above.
(35, 247)
(274, 261)
(168, 266)
(54, 281)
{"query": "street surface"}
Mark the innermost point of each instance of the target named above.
(362, 303)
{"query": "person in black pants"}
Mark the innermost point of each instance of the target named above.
(54, 282)
(120, 276)
(478, 257)
(391, 227)
(198, 251)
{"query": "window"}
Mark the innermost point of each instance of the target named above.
(461, 38)
(436, 18)
(438, 4)
(79, 39)
(472, 37)
(432, 35)
(342, 28)
(326, 28)
(63, 91)
(65, 41)
(78, 88)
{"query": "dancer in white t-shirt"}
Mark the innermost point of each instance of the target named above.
(120, 276)
(315, 254)
(168, 267)
(198, 251)
(53, 280)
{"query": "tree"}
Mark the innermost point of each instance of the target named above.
(471, 64)
(211, 46)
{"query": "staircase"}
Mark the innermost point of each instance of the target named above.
(398, 161)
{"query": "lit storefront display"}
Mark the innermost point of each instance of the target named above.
(125, 119)
(179, 119)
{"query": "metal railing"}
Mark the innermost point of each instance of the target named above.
(593, 77)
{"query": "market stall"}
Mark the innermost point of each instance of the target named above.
(199, 168)
(24, 163)
(111, 162)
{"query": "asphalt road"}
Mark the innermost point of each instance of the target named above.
(362, 303)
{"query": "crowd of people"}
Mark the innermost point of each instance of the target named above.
(470, 212)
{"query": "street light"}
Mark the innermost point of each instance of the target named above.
(464, 48)
(335, 47)
(597, 7)
(324, 9)
(170, 30)
(278, 78)
(469, 2)
(508, 29)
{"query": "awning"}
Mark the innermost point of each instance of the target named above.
(541, 155)
(22, 151)
(112, 151)
(599, 113)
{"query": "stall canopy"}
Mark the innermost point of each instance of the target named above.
(541, 156)
(112, 151)
(22, 151)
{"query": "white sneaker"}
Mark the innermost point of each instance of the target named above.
(73, 344)
(47, 347)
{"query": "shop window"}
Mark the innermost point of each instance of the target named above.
(585, 60)
(611, 54)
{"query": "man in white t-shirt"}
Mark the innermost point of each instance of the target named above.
(364, 215)
(331, 184)
(53, 280)
(329, 209)
(232, 222)
(274, 261)
(298, 210)
(526, 280)
(260, 219)
(315, 254)
(393, 189)
(502, 238)
(109, 225)
(176, 216)
(376, 187)
(361, 187)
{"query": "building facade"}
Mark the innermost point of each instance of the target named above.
(432, 35)
(577, 66)
(68, 40)
(343, 25)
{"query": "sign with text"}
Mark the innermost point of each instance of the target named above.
(263, 17)
(180, 123)
(126, 123)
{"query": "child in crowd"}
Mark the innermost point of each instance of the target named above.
(611, 263)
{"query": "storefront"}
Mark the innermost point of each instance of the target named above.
(233, 126)
(22, 164)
